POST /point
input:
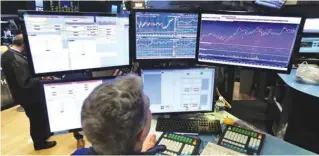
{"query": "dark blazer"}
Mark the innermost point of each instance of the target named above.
(24, 88)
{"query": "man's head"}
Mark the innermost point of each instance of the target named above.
(116, 117)
(18, 42)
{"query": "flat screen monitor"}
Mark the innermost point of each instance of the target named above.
(64, 42)
(271, 3)
(311, 25)
(309, 45)
(165, 35)
(179, 90)
(265, 42)
(64, 100)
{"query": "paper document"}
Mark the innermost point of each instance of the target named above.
(214, 149)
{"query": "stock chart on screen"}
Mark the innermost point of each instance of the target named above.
(162, 35)
(251, 41)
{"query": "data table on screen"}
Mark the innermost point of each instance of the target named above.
(79, 42)
(179, 90)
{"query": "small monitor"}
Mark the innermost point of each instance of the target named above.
(165, 35)
(309, 45)
(271, 3)
(179, 90)
(64, 42)
(64, 100)
(265, 42)
(311, 25)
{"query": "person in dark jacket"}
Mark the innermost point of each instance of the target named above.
(116, 119)
(26, 91)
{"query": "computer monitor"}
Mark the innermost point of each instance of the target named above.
(256, 41)
(164, 35)
(179, 90)
(271, 3)
(64, 100)
(309, 45)
(311, 25)
(64, 42)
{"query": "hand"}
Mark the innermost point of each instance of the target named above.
(117, 72)
(149, 142)
(46, 78)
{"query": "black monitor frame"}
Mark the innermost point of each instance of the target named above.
(27, 46)
(183, 68)
(295, 49)
(43, 98)
(167, 62)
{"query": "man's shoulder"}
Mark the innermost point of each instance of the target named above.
(7, 56)
(7, 53)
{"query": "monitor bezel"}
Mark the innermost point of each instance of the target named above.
(149, 62)
(21, 14)
(295, 49)
(43, 98)
(185, 68)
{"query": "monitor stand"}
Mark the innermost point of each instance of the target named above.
(227, 87)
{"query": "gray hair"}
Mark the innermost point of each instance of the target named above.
(113, 114)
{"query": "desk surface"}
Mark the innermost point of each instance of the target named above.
(272, 145)
(305, 88)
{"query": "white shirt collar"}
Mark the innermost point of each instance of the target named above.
(15, 49)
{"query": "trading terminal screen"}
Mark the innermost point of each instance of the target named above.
(309, 45)
(162, 35)
(179, 90)
(73, 42)
(64, 102)
(245, 40)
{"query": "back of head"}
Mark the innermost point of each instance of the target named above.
(113, 114)
(18, 40)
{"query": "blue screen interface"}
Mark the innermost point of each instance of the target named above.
(245, 40)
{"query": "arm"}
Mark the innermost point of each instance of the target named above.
(23, 75)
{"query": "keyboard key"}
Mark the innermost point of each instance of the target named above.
(231, 135)
(237, 137)
(227, 135)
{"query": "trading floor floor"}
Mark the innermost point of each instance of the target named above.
(15, 138)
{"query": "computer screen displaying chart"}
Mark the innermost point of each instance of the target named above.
(60, 43)
(163, 35)
(245, 40)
